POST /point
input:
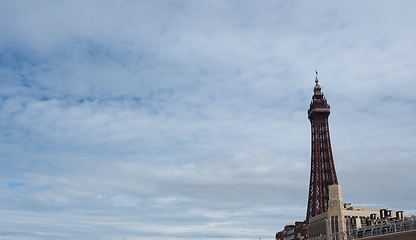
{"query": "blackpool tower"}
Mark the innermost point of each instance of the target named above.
(323, 171)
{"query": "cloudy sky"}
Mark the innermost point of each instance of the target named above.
(187, 119)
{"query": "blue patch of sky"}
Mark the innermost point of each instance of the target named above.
(30, 64)
(13, 185)
(26, 68)
(23, 60)
(96, 52)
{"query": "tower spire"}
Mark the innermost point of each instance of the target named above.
(317, 88)
(323, 171)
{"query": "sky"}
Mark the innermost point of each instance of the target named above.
(125, 120)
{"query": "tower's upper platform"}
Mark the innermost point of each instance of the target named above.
(318, 103)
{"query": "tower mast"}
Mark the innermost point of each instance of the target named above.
(323, 171)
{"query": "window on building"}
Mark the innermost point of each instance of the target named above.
(347, 223)
(334, 224)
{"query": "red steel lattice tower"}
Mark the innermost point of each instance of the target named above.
(323, 171)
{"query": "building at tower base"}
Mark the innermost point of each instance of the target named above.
(343, 220)
(293, 232)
